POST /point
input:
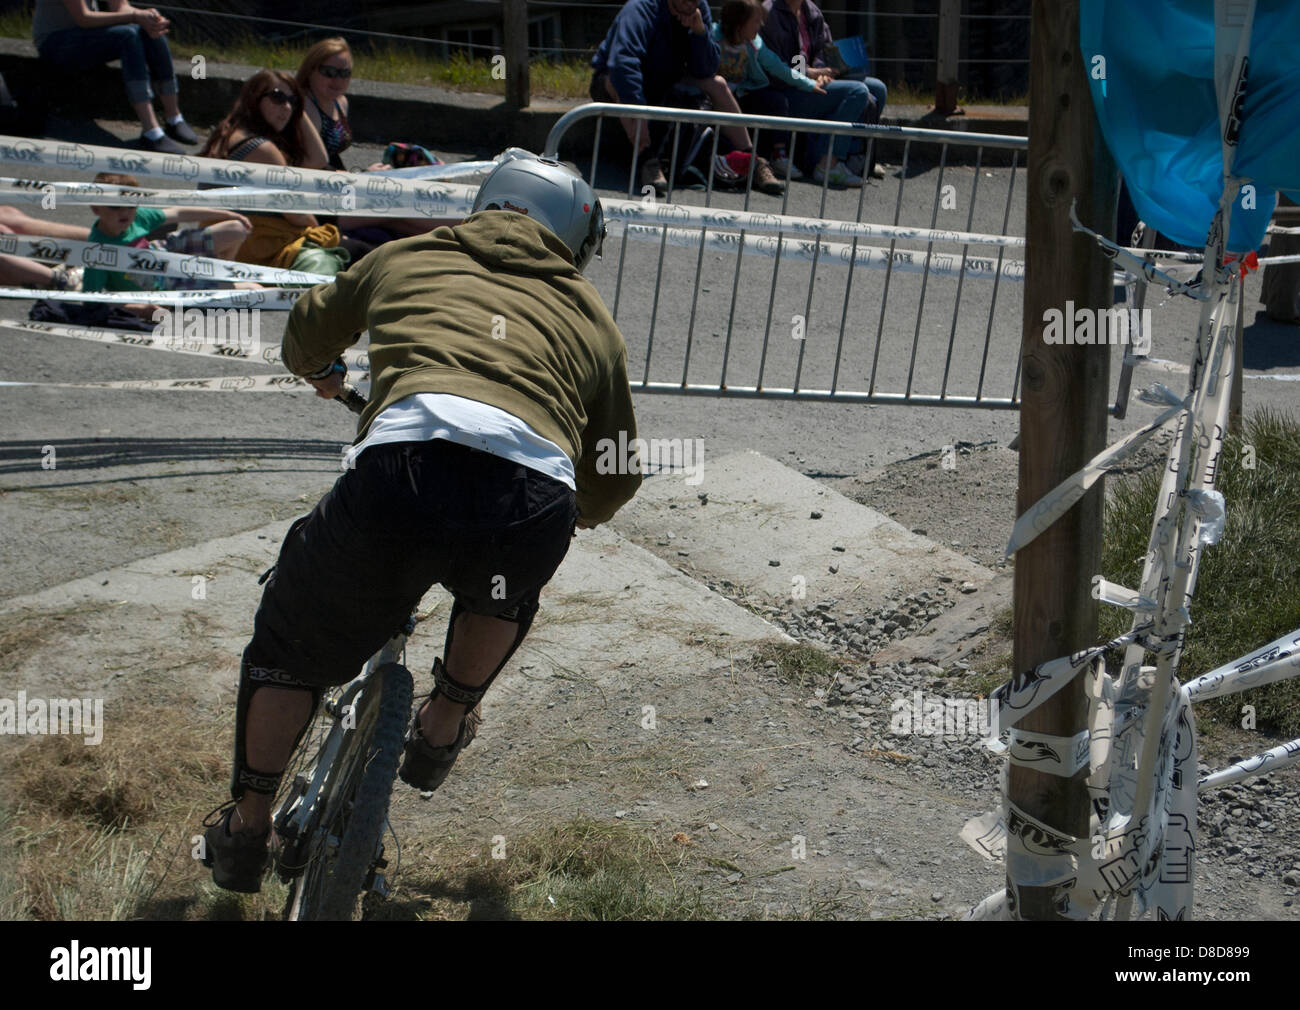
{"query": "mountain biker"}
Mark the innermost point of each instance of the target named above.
(496, 372)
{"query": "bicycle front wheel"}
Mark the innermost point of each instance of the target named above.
(352, 829)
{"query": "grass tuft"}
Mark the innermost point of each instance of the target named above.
(1248, 590)
(801, 665)
(578, 870)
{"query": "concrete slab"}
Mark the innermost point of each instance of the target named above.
(184, 616)
(750, 520)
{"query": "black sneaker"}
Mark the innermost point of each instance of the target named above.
(181, 131)
(163, 145)
(237, 861)
(425, 767)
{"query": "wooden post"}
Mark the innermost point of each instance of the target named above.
(1063, 402)
(949, 51)
(514, 35)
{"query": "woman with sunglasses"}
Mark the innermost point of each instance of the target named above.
(267, 126)
(323, 77)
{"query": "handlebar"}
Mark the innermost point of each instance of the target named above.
(352, 398)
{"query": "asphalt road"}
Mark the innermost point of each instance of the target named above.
(139, 472)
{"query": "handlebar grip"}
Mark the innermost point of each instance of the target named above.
(351, 398)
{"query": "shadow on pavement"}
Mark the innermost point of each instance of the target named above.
(90, 454)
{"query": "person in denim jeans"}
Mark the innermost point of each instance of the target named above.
(72, 37)
(796, 28)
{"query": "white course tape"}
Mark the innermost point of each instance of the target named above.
(184, 342)
(433, 199)
(261, 298)
(1116, 856)
(874, 257)
(1140, 267)
(685, 216)
(152, 262)
(1121, 596)
(1044, 512)
(1276, 661)
(217, 384)
(1260, 764)
(373, 198)
(991, 909)
(1055, 755)
(1026, 691)
(450, 170)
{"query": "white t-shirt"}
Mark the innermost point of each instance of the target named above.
(424, 416)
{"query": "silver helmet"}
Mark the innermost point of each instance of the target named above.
(555, 196)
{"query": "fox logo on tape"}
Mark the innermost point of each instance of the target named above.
(236, 175)
(144, 261)
(337, 185)
(24, 151)
(137, 163)
(48, 249)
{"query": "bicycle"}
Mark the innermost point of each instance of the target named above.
(332, 819)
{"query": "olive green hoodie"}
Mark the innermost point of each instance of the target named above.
(493, 310)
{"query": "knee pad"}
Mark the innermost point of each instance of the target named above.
(521, 614)
(251, 678)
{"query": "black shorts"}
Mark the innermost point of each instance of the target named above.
(410, 514)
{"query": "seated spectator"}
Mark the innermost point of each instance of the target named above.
(133, 226)
(267, 126)
(21, 272)
(796, 30)
(14, 221)
(746, 65)
(323, 78)
(653, 46)
(71, 36)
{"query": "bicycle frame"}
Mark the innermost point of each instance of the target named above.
(297, 820)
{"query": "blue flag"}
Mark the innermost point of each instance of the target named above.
(1154, 90)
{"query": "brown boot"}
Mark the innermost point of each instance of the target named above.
(652, 174)
(765, 179)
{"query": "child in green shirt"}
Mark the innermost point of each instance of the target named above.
(130, 226)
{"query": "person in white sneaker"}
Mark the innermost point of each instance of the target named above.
(70, 35)
(796, 31)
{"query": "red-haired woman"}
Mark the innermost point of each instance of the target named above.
(324, 76)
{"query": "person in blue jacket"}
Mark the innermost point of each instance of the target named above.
(653, 46)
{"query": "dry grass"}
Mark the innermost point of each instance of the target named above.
(23, 632)
(107, 832)
(579, 869)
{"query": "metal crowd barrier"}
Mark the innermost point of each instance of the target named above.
(874, 320)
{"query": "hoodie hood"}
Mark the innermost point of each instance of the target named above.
(504, 240)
